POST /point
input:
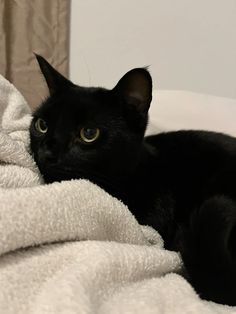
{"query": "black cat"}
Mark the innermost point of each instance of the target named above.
(182, 183)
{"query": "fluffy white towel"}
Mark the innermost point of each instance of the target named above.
(70, 247)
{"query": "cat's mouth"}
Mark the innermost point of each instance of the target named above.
(56, 173)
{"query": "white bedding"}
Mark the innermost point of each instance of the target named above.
(175, 109)
(70, 247)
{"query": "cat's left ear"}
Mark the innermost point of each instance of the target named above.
(135, 87)
(55, 81)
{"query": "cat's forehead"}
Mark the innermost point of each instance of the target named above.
(80, 102)
(90, 96)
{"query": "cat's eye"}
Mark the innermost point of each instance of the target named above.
(41, 126)
(89, 135)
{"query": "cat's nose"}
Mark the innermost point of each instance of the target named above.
(46, 156)
(50, 156)
(50, 151)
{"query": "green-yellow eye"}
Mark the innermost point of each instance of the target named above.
(89, 135)
(41, 126)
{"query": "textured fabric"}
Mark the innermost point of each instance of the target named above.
(39, 26)
(46, 264)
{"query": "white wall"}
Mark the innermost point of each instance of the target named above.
(189, 44)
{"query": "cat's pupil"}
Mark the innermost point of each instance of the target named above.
(90, 133)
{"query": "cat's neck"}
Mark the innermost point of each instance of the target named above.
(119, 185)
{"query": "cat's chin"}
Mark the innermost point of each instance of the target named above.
(111, 186)
(54, 176)
(51, 174)
(58, 173)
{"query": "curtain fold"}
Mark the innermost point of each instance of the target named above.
(28, 26)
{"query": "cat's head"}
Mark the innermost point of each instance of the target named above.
(93, 133)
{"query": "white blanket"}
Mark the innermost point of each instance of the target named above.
(70, 247)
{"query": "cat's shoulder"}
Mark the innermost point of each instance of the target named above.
(192, 138)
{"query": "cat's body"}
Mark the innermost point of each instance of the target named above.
(181, 183)
(178, 171)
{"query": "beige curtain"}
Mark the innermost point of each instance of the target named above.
(28, 26)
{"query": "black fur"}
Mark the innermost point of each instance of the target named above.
(181, 183)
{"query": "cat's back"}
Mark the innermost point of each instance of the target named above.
(189, 160)
(195, 144)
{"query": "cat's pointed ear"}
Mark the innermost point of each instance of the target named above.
(54, 79)
(136, 89)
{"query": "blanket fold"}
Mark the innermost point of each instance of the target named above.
(70, 247)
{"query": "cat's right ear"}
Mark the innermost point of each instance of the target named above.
(55, 81)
